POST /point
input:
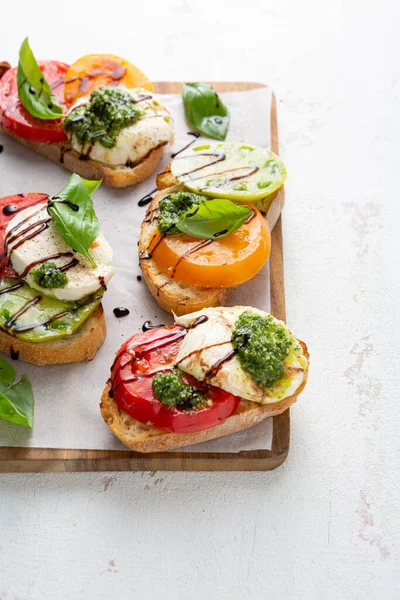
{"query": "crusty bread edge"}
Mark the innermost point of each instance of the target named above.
(118, 177)
(81, 345)
(154, 440)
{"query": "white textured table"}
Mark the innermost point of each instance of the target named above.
(324, 525)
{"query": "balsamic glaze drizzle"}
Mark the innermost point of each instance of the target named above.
(10, 209)
(115, 73)
(11, 288)
(14, 354)
(141, 376)
(219, 156)
(147, 326)
(37, 228)
(59, 200)
(201, 319)
(251, 171)
(147, 198)
(102, 283)
(23, 309)
(10, 235)
(23, 328)
(195, 134)
(135, 352)
(121, 311)
(43, 260)
(212, 371)
(199, 246)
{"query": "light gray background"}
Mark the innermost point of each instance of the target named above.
(324, 525)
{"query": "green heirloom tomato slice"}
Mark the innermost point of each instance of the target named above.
(72, 314)
(230, 170)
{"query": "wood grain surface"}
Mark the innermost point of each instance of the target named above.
(58, 460)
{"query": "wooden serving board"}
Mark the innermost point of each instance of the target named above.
(59, 460)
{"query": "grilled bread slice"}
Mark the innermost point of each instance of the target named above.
(117, 177)
(145, 438)
(81, 345)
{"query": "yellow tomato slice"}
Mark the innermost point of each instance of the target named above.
(95, 70)
(225, 262)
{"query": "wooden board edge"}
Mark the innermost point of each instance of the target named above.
(60, 460)
(63, 461)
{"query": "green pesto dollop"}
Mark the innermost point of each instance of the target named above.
(172, 207)
(49, 276)
(100, 120)
(171, 390)
(262, 344)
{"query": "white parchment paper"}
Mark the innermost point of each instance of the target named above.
(67, 396)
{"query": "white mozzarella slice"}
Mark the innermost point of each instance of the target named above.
(209, 342)
(83, 279)
(133, 143)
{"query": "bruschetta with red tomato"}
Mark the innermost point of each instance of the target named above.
(213, 373)
(97, 117)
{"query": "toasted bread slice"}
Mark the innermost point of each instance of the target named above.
(172, 295)
(118, 177)
(271, 206)
(144, 438)
(81, 345)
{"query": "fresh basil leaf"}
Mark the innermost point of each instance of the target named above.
(92, 186)
(214, 219)
(17, 403)
(7, 374)
(34, 91)
(204, 110)
(79, 228)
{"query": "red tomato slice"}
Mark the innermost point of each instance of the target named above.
(138, 360)
(15, 119)
(18, 202)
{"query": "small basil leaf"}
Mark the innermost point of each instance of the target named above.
(34, 91)
(79, 228)
(204, 110)
(17, 403)
(7, 374)
(214, 219)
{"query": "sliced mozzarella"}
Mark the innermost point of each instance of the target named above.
(83, 279)
(209, 342)
(135, 142)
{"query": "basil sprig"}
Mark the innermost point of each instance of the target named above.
(16, 401)
(34, 91)
(76, 220)
(204, 110)
(213, 219)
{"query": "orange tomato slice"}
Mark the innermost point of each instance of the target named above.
(224, 262)
(95, 70)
